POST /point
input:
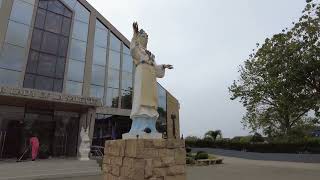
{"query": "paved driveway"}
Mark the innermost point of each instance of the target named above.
(243, 169)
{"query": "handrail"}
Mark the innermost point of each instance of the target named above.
(97, 151)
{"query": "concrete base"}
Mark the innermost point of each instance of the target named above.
(144, 159)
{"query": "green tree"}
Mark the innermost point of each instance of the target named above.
(257, 137)
(213, 135)
(192, 138)
(279, 82)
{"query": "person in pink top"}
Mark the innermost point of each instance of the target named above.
(34, 142)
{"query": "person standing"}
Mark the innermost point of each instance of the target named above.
(34, 142)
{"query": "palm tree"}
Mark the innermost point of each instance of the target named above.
(213, 135)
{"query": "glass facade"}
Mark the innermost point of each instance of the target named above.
(49, 44)
(114, 62)
(162, 110)
(112, 69)
(126, 79)
(78, 49)
(13, 53)
(98, 79)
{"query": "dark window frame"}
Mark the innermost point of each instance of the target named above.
(59, 55)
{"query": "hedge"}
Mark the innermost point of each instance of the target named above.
(311, 146)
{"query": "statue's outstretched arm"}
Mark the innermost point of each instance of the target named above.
(161, 69)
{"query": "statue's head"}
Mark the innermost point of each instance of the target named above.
(143, 38)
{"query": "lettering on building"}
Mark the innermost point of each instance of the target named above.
(49, 96)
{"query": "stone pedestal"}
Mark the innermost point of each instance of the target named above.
(145, 159)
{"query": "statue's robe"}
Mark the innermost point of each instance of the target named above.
(145, 96)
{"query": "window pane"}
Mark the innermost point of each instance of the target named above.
(112, 98)
(12, 57)
(115, 43)
(32, 62)
(75, 70)
(78, 50)
(70, 3)
(47, 65)
(30, 1)
(127, 64)
(101, 38)
(67, 13)
(58, 84)
(22, 12)
(80, 31)
(101, 25)
(113, 78)
(81, 13)
(63, 48)
(98, 75)
(50, 43)
(126, 83)
(43, 4)
(114, 60)
(74, 88)
(40, 18)
(96, 91)
(29, 81)
(53, 22)
(126, 50)
(9, 78)
(17, 34)
(99, 56)
(162, 96)
(56, 6)
(50, 39)
(126, 99)
(66, 26)
(60, 68)
(161, 91)
(43, 83)
(36, 39)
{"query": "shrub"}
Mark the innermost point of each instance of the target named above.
(310, 145)
(190, 160)
(257, 138)
(202, 155)
(188, 149)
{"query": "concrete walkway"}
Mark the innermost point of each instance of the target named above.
(236, 168)
(306, 158)
(49, 169)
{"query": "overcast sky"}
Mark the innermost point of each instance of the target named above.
(206, 41)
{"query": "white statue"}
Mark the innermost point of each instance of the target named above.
(145, 98)
(84, 148)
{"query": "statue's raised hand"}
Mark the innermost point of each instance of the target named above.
(168, 66)
(135, 28)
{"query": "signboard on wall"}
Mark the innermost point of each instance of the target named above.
(49, 96)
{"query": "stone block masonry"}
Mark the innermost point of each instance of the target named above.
(145, 159)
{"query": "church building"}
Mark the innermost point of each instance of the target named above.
(63, 68)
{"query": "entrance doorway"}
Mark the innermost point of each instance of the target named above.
(57, 132)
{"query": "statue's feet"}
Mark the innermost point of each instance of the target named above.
(143, 128)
